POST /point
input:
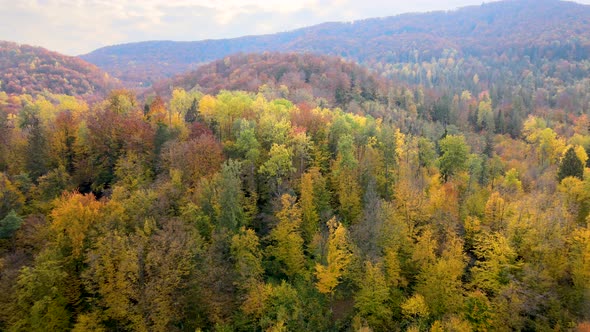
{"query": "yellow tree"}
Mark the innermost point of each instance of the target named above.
(286, 242)
(496, 262)
(73, 217)
(139, 280)
(309, 212)
(247, 257)
(338, 258)
(580, 267)
(495, 212)
(440, 282)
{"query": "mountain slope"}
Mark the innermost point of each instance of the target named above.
(299, 77)
(534, 28)
(31, 70)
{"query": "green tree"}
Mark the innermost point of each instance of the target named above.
(485, 115)
(454, 153)
(570, 165)
(231, 197)
(192, 113)
(10, 224)
(279, 163)
(388, 146)
(247, 143)
(37, 149)
(274, 307)
(278, 167)
(42, 300)
(372, 297)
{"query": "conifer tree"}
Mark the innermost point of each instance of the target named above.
(571, 165)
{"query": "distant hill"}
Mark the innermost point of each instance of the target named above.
(31, 70)
(548, 29)
(298, 77)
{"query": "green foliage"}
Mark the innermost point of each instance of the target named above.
(485, 116)
(279, 163)
(231, 213)
(42, 295)
(9, 224)
(247, 142)
(453, 159)
(372, 298)
(570, 165)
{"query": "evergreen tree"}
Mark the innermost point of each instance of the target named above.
(570, 165)
(192, 114)
(10, 224)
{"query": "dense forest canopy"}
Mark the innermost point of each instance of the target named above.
(30, 70)
(444, 187)
(301, 78)
(238, 212)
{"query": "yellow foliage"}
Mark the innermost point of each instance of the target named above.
(70, 103)
(580, 261)
(207, 107)
(581, 153)
(73, 216)
(415, 307)
(495, 211)
(424, 250)
(338, 258)
(393, 269)
(288, 243)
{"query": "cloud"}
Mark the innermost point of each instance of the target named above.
(79, 26)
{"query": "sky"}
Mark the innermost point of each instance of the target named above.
(77, 27)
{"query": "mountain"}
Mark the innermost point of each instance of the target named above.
(300, 78)
(27, 69)
(535, 28)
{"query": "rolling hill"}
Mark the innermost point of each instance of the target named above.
(538, 29)
(27, 69)
(298, 77)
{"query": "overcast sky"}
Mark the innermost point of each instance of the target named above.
(80, 26)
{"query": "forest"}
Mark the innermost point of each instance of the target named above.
(423, 172)
(31, 70)
(512, 31)
(247, 211)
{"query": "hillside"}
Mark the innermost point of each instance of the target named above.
(300, 78)
(538, 29)
(31, 70)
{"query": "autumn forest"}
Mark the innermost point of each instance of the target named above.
(278, 191)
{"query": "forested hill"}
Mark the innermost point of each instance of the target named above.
(301, 78)
(535, 28)
(27, 69)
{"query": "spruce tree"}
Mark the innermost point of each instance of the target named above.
(570, 165)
